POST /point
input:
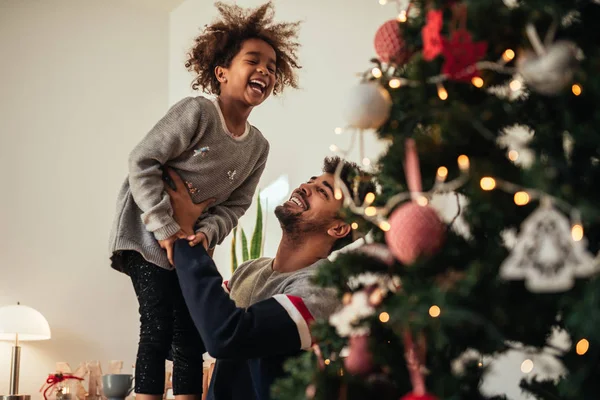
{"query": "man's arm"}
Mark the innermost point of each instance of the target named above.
(276, 326)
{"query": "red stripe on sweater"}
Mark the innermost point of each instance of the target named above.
(301, 307)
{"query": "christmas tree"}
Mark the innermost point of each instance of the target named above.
(489, 110)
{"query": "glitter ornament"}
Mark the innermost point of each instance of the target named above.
(360, 358)
(415, 231)
(551, 70)
(545, 254)
(389, 44)
(368, 106)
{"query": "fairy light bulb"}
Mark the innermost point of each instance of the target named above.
(521, 198)
(366, 161)
(333, 148)
(487, 183)
(376, 72)
(383, 2)
(442, 92)
(527, 366)
(370, 198)
(370, 211)
(384, 317)
(577, 232)
(354, 226)
(515, 85)
(463, 162)
(513, 155)
(434, 311)
(327, 361)
(338, 130)
(508, 55)
(442, 173)
(384, 226)
(402, 16)
(394, 83)
(477, 81)
(582, 347)
(576, 89)
(337, 193)
(422, 201)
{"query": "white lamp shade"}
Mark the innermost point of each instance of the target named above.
(25, 321)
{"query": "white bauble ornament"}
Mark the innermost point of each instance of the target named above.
(552, 71)
(368, 106)
(545, 254)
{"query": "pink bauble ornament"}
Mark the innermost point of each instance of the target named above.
(414, 231)
(360, 358)
(413, 396)
(389, 44)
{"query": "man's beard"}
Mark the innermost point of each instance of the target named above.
(293, 226)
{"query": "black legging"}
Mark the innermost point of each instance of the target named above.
(165, 324)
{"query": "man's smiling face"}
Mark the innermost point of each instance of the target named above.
(311, 207)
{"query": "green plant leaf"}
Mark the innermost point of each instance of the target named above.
(234, 260)
(245, 254)
(257, 236)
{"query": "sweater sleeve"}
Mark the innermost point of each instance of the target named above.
(267, 328)
(169, 138)
(224, 217)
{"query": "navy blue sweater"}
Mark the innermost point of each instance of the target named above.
(250, 344)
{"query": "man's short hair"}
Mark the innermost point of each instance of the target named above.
(356, 180)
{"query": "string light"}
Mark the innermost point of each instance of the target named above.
(384, 317)
(333, 148)
(463, 162)
(442, 93)
(513, 155)
(394, 83)
(515, 85)
(434, 311)
(577, 232)
(366, 161)
(327, 361)
(370, 211)
(422, 201)
(527, 366)
(576, 89)
(487, 183)
(402, 16)
(477, 81)
(521, 198)
(384, 226)
(508, 55)
(582, 347)
(354, 226)
(338, 131)
(370, 197)
(338, 194)
(376, 72)
(442, 173)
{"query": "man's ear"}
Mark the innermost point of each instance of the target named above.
(221, 74)
(339, 230)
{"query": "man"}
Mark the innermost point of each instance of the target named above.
(266, 315)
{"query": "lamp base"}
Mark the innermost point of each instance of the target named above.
(15, 397)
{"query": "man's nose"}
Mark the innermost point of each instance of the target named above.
(305, 188)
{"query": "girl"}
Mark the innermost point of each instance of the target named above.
(241, 58)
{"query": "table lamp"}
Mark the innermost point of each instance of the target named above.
(20, 323)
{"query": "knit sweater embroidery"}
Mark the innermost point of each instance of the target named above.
(193, 139)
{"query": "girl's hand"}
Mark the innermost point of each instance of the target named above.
(198, 238)
(167, 244)
(185, 211)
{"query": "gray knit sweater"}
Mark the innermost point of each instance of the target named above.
(193, 139)
(255, 281)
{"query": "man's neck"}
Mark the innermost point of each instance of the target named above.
(235, 114)
(293, 255)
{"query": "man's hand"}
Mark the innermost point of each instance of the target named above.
(185, 211)
(167, 244)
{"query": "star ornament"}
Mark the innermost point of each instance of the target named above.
(432, 40)
(460, 53)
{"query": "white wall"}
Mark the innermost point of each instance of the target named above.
(337, 42)
(81, 82)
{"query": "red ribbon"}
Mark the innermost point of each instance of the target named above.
(53, 379)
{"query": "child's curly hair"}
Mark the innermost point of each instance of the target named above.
(222, 40)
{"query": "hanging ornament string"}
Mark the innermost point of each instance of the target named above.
(415, 359)
(54, 379)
